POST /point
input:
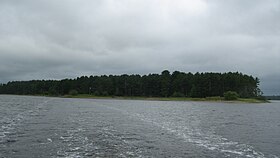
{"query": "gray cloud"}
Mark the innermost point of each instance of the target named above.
(49, 39)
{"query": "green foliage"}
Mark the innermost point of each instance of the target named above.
(261, 98)
(165, 84)
(105, 93)
(194, 92)
(231, 95)
(96, 93)
(73, 92)
(53, 91)
(216, 98)
(178, 94)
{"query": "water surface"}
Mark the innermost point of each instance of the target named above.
(57, 127)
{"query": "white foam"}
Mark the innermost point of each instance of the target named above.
(193, 134)
(207, 140)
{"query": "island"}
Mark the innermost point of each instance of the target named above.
(164, 86)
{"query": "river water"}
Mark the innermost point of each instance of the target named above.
(58, 127)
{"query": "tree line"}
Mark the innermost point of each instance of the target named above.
(166, 84)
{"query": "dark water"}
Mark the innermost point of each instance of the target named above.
(55, 127)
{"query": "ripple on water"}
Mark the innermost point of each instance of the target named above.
(193, 134)
(14, 115)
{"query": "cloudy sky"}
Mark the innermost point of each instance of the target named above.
(56, 39)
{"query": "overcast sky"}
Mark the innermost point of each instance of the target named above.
(56, 39)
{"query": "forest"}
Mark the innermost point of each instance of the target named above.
(166, 84)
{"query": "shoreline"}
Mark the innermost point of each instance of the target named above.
(207, 99)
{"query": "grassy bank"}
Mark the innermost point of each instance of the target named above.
(212, 99)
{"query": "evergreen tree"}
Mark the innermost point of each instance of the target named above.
(151, 85)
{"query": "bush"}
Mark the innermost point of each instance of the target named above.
(105, 93)
(178, 94)
(73, 92)
(52, 91)
(231, 95)
(96, 93)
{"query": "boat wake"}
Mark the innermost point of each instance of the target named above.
(192, 133)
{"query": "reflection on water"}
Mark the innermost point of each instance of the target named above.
(55, 127)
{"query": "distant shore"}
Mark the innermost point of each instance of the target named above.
(211, 99)
(207, 99)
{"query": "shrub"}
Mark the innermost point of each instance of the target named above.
(96, 93)
(178, 94)
(73, 92)
(105, 93)
(231, 95)
(52, 91)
